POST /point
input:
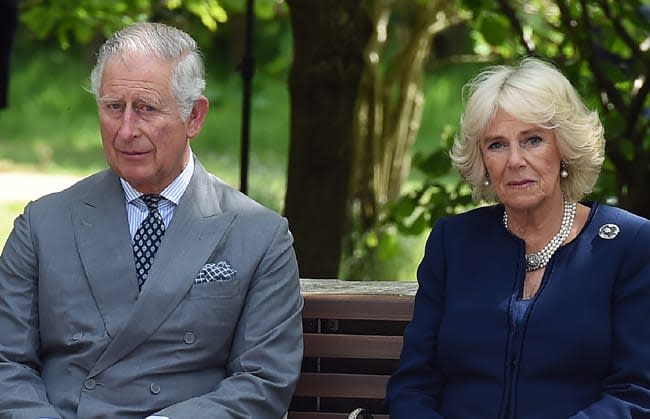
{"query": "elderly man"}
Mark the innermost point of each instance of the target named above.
(150, 288)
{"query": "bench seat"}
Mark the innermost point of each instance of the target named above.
(353, 338)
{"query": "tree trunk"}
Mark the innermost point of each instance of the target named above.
(633, 185)
(637, 200)
(389, 112)
(329, 37)
(390, 106)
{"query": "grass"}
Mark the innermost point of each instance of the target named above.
(51, 126)
(8, 211)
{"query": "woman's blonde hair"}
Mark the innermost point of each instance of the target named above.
(535, 92)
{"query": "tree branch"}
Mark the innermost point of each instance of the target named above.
(511, 14)
(627, 38)
(603, 82)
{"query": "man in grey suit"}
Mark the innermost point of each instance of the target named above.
(150, 289)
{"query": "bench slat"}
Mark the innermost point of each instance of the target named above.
(368, 328)
(358, 307)
(362, 386)
(352, 346)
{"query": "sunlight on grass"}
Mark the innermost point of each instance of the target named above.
(8, 213)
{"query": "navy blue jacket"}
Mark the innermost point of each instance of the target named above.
(584, 350)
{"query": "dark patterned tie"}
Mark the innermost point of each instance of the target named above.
(147, 238)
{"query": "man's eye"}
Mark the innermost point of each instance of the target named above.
(114, 106)
(146, 108)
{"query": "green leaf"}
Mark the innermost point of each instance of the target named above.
(405, 206)
(495, 28)
(433, 165)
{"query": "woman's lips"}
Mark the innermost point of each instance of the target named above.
(520, 183)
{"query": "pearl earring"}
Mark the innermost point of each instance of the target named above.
(486, 182)
(564, 169)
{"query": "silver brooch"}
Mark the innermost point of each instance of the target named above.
(608, 231)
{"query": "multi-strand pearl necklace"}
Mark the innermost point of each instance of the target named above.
(538, 260)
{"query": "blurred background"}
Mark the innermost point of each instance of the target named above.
(353, 105)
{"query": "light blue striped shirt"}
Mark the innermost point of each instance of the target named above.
(136, 209)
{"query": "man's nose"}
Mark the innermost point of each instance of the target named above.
(129, 127)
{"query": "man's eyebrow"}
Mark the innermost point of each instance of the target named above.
(105, 99)
(153, 99)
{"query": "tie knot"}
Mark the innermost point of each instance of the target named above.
(151, 201)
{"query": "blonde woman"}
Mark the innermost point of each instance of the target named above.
(536, 306)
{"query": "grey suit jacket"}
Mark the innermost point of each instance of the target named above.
(77, 339)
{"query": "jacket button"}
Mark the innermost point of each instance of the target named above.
(89, 384)
(189, 338)
(154, 388)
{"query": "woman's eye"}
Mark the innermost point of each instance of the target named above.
(495, 145)
(535, 139)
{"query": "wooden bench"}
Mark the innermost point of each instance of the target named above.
(353, 338)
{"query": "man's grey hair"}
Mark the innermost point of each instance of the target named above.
(164, 42)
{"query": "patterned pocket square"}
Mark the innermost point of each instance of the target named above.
(220, 271)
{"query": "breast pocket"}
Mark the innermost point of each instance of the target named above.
(226, 288)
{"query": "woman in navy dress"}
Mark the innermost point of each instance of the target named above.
(538, 306)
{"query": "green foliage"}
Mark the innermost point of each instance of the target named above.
(384, 255)
(264, 9)
(79, 21)
(440, 194)
(209, 11)
(394, 247)
(435, 190)
(493, 28)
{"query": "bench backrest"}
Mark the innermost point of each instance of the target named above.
(352, 346)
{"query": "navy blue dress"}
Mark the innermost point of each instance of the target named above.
(580, 348)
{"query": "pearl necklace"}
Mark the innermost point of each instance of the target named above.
(538, 260)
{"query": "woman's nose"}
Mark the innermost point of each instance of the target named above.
(515, 156)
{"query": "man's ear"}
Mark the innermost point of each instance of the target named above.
(197, 117)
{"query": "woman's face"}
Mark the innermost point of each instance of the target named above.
(522, 161)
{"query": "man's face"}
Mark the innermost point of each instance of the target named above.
(144, 138)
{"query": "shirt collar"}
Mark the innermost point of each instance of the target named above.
(173, 192)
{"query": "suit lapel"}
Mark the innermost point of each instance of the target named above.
(197, 228)
(103, 240)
